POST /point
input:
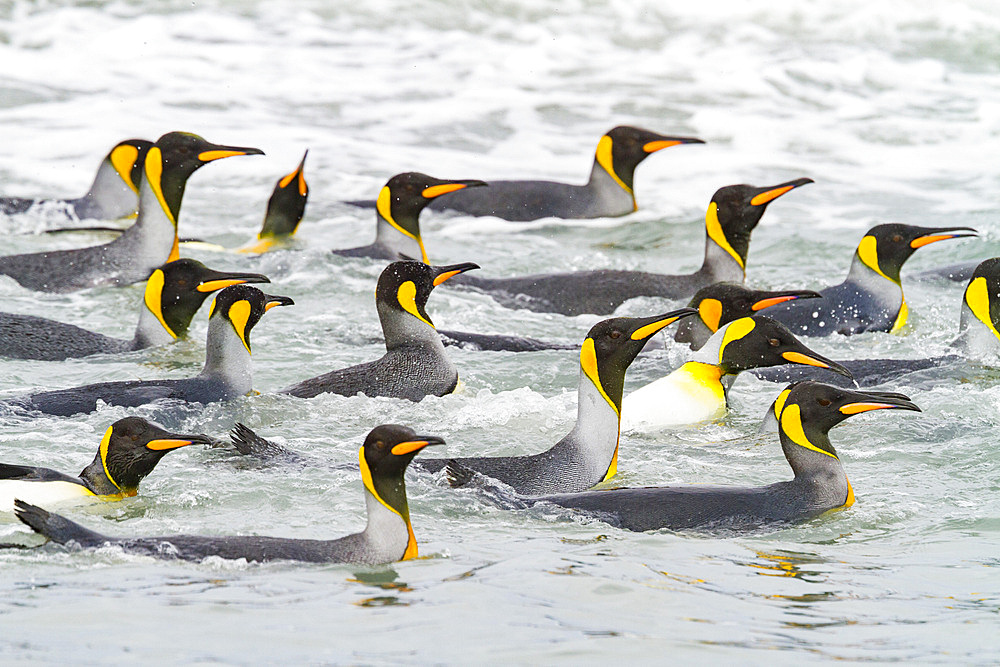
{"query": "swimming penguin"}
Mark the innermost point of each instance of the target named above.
(732, 215)
(415, 364)
(147, 244)
(608, 192)
(697, 391)
(285, 209)
(819, 485)
(497, 342)
(871, 297)
(114, 193)
(978, 338)
(721, 303)
(174, 293)
(588, 454)
(129, 451)
(389, 537)
(227, 373)
(397, 227)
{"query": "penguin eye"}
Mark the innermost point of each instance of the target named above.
(896, 238)
(380, 444)
(773, 342)
(823, 401)
(615, 334)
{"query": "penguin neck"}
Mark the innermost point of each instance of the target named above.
(874, 282)
(821, 475)
(96, 479)
(706, 368)
(614, 193)
(401, 329)
(596, 433)
(388, 530)
(152, 240)
(150, 332)
(226, 358)
(975, 338)
(720, 266)
(395, 242)
(111, 196)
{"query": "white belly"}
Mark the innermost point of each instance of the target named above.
(675, 400)
(42, 494)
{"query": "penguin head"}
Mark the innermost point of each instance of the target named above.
(174, 157)
(243, 306)
(721, 303)
(612, 345)
(128, 159)
(885, 248)
(405, 195)
(759, 342)
(287, 204)
(132, 447)
(735, 211)
(981, 309)
(811, 409)
(176, 290)
(383, 458)
(621, 150)
(405, 286)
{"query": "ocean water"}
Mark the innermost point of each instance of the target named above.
(892, 107)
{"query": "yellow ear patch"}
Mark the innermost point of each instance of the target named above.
(123, 159)
(154, 296)
(384, 206)
(868, 252)
(710, 312)
(407, 297)
(791, 424)
(105, 442)
(977, 297)
(154, 175)
(588, 363)
(714, 229)
(607, 162)
(366, 479)
(239, 315)
(735, 331)
(438, 190)
(779, 402)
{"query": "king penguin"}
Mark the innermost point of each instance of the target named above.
(398, 207)
(818, 486)
(871, 297)
(698, 390)
(174, 293)
(227, 373)
(608, 193)
(414, 364)
(389, 536)
(114, 193)
(147, 244)
(588, 454)
(129, 450)
(285, 210)
(732, 215)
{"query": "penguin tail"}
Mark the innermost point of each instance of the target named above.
(248, 443)
(501, 495)
(57, 528)
(458, 475)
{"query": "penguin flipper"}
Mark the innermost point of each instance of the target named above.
(360, 203)
(30, 473)
(497, 343)
(496, 491)
(248, 443)
(55, 527)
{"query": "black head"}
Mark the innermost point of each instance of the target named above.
(885, 248)
(759, 342)
(243, 306)
(811, 409)
(721, 303)
(176, 290)
(128, 158)
(735, 211)
(177, 155)
(982, 294)
(287, 204)
(612, 345)
(132, 447)
(406, 285)
(622, 149)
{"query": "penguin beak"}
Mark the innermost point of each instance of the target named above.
(769, 194)
(415, 445)
(807, 357)
(272, 301)
(769, 301)
(649, 326)
(942, 234)
(217, 152)
(175, 441)
(667, 142)
(876, 400)
(217, 280)
(452, 270)
(444, 188)
(299, 174)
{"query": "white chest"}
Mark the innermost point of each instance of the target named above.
(42, 494)
(677, 399)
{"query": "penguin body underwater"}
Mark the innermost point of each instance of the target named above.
(129, 450)
(388, 537)
(114, 193)
(588, 454)
(732, 215)
(819, 484)
(173, 294)
(147, 244)
(415, 364)
(227, 373)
